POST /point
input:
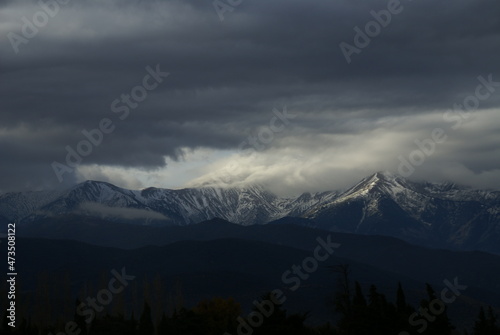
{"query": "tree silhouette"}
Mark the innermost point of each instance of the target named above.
(486, 323)
(146, 326)
(438, 321)
(218, 315)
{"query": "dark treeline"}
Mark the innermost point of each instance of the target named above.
(356, 313)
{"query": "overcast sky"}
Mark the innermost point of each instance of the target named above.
(275, 70)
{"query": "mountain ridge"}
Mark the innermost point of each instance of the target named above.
(383, 203)
(384, 264)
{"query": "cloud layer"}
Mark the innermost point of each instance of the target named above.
(227, 77)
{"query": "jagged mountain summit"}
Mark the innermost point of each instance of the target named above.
(246, 206)
(433, 214)
(444, 215)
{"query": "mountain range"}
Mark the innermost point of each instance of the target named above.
(238, 242)
(217, 258)
(441, 215)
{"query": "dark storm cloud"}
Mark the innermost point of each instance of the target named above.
(226, 77)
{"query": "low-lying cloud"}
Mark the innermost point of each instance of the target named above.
(106, 212)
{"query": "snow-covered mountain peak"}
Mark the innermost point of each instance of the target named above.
(249, 204)
(382, 203)
(380, 182)
(96, 190)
